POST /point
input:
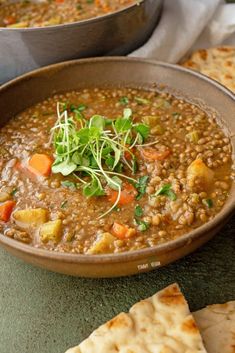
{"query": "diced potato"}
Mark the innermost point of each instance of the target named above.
(4, 196)
(51, 231)
(193, 136)
(18, 25)
(53, 21)
(157, 130)
(151, 120)
(130, 233)
(3, 152)
(162, 103)
(31, 217)
(104, 244)
(199, 175)
(122, 231)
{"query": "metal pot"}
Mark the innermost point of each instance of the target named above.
(117, 33)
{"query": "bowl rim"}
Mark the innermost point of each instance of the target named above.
(223, 215)
(80, 23)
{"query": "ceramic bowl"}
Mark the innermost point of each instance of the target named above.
(31, 88)
(118, 33)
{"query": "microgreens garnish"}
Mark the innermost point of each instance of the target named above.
(167, 191)
(93, 150)
(69, 184)
(81, 107)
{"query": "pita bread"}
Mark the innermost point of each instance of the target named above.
(217, 63)
(217, 326)
(160, 324)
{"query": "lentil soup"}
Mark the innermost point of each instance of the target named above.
(111, 170)
(23, 13)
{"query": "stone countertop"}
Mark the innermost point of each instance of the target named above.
(44, 312)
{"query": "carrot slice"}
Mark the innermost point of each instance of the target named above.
(128, 154)
(154, 155)
(103, 5)
(9, 20)
(122, 231)
(40, 164)
(6, 209)
(128, 194)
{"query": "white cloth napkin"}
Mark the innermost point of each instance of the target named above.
(186, 25)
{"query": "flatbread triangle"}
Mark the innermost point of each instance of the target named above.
(217, 63)
(159, 324)
(217, 326)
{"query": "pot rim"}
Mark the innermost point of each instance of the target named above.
(223, 215)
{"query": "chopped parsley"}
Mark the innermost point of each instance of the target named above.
(124, 100)
(138, 211)
(141, 225)
(64, 204)
(141, 186)
(166, 190)
(208, 203)
(14, 191)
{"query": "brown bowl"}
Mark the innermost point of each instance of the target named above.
(38, 85)
(117, 33)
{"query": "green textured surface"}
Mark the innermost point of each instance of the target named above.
(43, 312)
